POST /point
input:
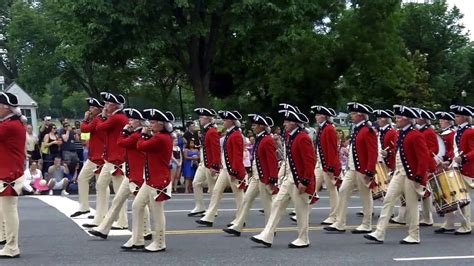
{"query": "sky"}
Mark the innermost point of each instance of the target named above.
(467, 8)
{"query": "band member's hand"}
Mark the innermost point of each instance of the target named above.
(330, 175)
(144, 130)
(87, 115)
(368, 179)
(301, 188)
(232, 177)
(383, 153)
(214, 171)
(457, 159)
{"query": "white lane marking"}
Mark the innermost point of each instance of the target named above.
(233, 210)
(434, 258)
(67, 206)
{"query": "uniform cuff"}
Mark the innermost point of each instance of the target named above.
(273, 180)
(331, 169)
(369, 173)
(215, 166)
(304, 182)
(418, 179)
(232, 172)
(463, 159)
(126, 133)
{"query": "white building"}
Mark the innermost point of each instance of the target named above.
(27, 105)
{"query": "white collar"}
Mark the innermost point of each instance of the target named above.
(385, 127)
(358, 124)
(322, 124)
(261, 133)
(207, 125)
(293, 131)
(465, 124)
(228, 130)
(406, 127)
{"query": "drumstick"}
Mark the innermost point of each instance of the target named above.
(451, 165)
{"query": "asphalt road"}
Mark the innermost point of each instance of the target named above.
(49, 237)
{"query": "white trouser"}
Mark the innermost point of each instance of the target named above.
(333, 194)
(120, 199)
(466, 211)
(223, 181)
(103, 182)
(9, 206)
(426, 207)
(288, 191)
(350, 179)
(85, 176)
(254, 189)
(202, 175)
(399, 185)
(146, 197)
(2, 226)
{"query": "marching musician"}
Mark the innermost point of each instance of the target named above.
(410, 176)
(111, 123)
(362, 160)
(299, 182)
(233, 172)
(12, 150)
(463, 160)
(448, 130)
(94, 162)
(328, 167)
(423, 124)
(210, 162)
(387, 137)
(157, 145)
(134, 162)
(264, 178)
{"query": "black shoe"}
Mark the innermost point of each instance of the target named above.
(194, 214)
(78, 213)
(89, 225)
(361, 214)
(231, 231)
(425, 224)
(3, 242)
(134, 247)
(206, 223)
(293, 213)
(154, 251)
(90, 217)
(229, 225)
(462, 233)
(392, 221)
(403, 242)
(9, 257)
(119, 228)
(356, 232)
(258, 241)
(293, 219)
(97, 234)
(261, 211)
(443, 230)
(291, 245)
(148, 237)
(325, 223)
(371, 238)
(333, 229)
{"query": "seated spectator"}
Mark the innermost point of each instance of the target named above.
(190, 165)
(57, 177)
(72, 178)
(31, 183)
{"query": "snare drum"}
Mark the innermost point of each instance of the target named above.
(381, 178)
(449, 191)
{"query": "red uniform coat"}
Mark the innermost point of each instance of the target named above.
(12, 153)
(388, 138)
(112, 127)
(447, 136)
(465, 143)
(326, 143)
(134, 159)
(414, 155)
(212, 148)
(96, 140)
(364, 149)
(158, 150)
(266, 159)
(302, 159)
(234, 154)
(431, 140)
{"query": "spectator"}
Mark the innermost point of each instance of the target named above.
(191, 162)
(78, 143)
(32, 145)
(343, 150)
(280, 143)
(69, 154)
(179, 136)
(191, 133)
(247, 163)
(57, 177)
(50, 148)
(44, 128)
(176, 161)
(62, 121)
(72, 178)
(31, 183)
(251, 146)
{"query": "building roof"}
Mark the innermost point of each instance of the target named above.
(24, 100)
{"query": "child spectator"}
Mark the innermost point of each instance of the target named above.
(176, 162)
